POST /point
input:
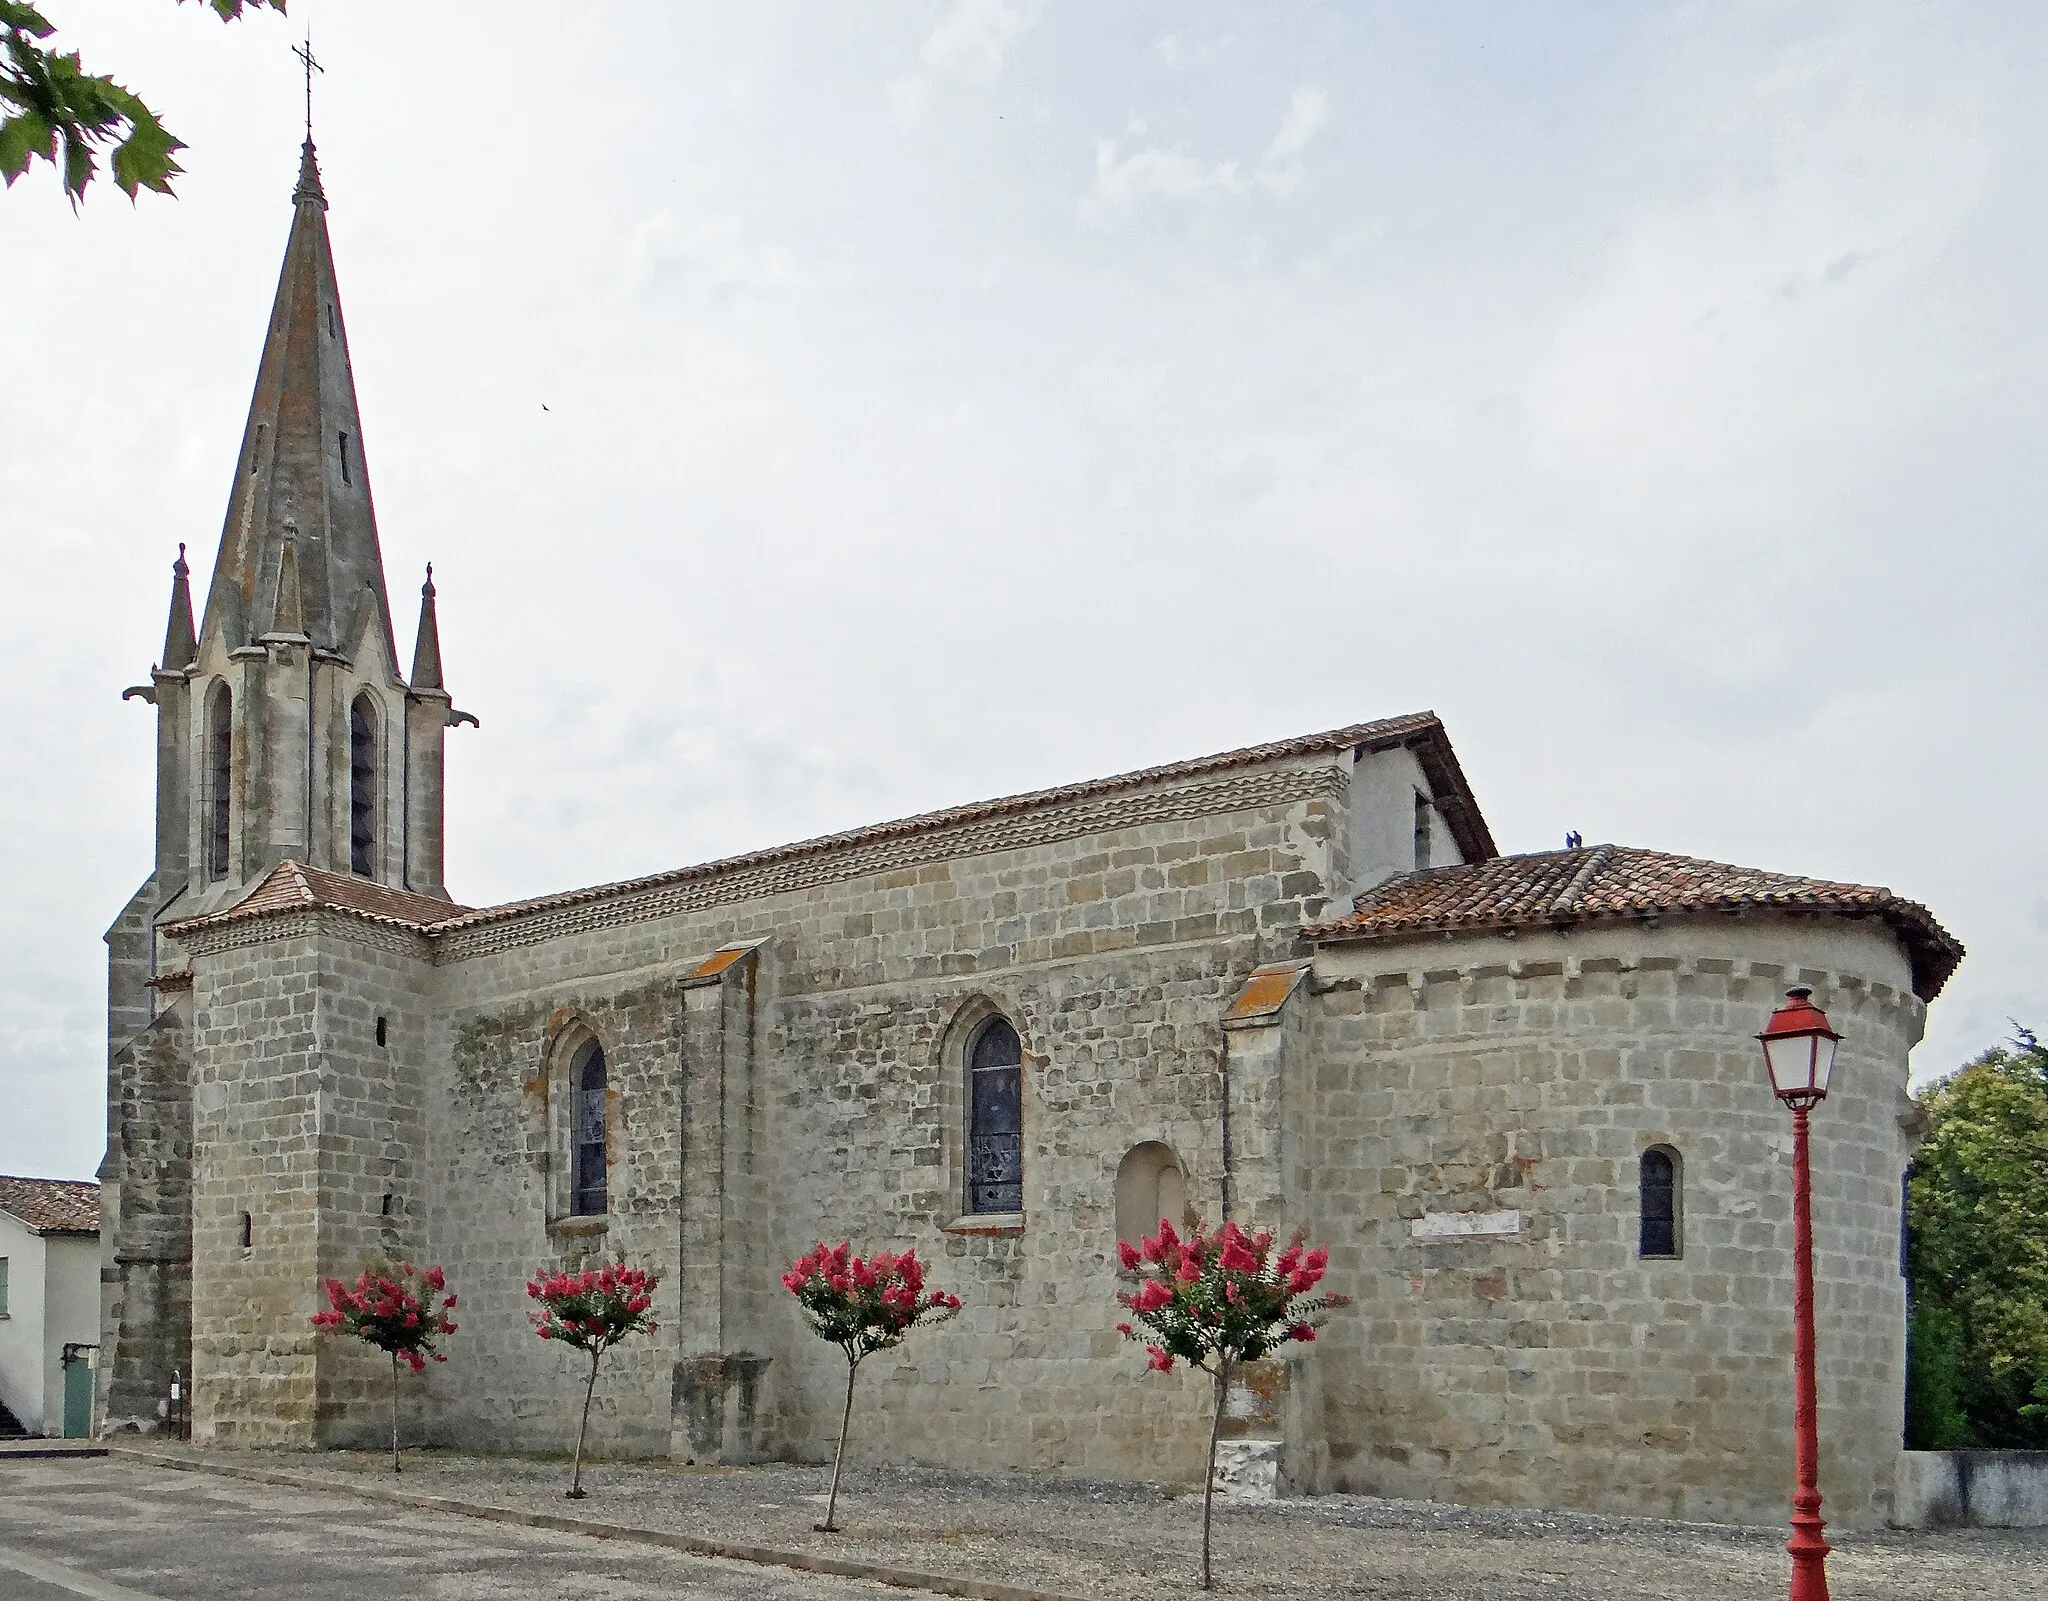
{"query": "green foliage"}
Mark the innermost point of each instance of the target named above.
(1977, 1214)
(54, 109)
(1935, 1420)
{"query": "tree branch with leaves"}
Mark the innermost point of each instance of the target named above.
(57, 111)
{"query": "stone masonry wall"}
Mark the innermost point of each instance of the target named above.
(146, 1223)
(840, 1075)
(255, 1082)
(370, 1115)
(1553, 1366)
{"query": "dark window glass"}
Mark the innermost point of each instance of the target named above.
(1659, 1203)
(1905, 1221)
(586, 1178)
(995, 1124)
(362, 787)
(220, 742)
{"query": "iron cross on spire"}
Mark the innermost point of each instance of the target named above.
(305, 53)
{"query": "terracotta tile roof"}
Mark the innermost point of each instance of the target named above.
(293, 886)
(1553, 889)
(52, 1206)
(1422, 732)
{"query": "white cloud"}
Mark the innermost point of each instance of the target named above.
(1280, 168)
(1152, 172)
(1123, 183)
(714, 258)
(970, 44)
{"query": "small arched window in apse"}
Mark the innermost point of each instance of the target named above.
(995, 1119)
(362, 787)
(220, 779)
(1150, 1185)
(1658, 1187)
(587, 1133)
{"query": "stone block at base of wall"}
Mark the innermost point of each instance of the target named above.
(1248, 1470)
(1971, 1489)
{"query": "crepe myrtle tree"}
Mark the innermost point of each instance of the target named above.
(396, 1311)
(592, 1311)
(861, 1306)
(1216, 1301)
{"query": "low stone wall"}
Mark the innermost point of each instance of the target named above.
(1972, 1489)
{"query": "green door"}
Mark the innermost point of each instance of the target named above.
(77, 1397)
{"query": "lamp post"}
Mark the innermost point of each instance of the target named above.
(1799, 1049)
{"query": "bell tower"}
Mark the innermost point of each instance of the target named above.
(286, 728)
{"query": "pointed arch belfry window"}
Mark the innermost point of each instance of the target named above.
(220, 778)
(995, 1121)
(362, 787)
(587, 1127)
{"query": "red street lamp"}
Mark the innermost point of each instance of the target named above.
(1799, 1050)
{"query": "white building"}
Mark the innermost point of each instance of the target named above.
(49, 1302)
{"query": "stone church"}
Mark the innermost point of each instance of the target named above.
(1518, 1097)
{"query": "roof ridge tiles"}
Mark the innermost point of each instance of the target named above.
(1616, 881)
(1423, 730)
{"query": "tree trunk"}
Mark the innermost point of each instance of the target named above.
(575, 1490)
(394, 1413)
(839, 1456)
(1209, 1478)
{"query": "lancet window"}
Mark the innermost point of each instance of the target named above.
(995, 1123)
(587, 1133)
(220, 775)
(1658, 1183)
(362, 787)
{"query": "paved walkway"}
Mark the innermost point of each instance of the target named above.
(114, 1530)
(1116, 1541)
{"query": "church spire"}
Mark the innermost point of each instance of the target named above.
(181, 648)
(302, 466)
(426, 650)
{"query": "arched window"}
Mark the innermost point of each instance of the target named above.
(362, 787)
(220, 779)
(587, 1133)
(1149, 1185)
(995, 1122)
(1658, 1185)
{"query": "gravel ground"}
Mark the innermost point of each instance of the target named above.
(1117, 1540)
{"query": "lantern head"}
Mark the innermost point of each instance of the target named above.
(1799, 1049)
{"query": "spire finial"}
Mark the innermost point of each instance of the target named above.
(305, 53)
(426, 650)
(181, 647)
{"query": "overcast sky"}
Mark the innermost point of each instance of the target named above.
(821, 413)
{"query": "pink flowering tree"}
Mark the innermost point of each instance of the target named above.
(862, 1307)
(592, 1311)
(399, 1313)
(1216, 1301)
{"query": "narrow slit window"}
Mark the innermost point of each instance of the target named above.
(995, 1131)
(248, 1232)
(1423, 843)
(383, 1032)
(256, 454)
(362, 796)
(389, 1201)
(331, 334)
(220, 774)
(344, 459)
(587, 1158)
(1658, 1184)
